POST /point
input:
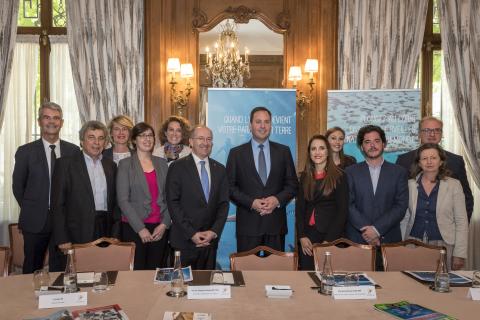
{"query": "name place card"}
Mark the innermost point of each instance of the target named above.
(209, 292)
(62, 300)
(354, 293)
(474, 293)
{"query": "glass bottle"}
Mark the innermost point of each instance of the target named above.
(177, 282)
(70, 275)
(442, 280)
(328, 278)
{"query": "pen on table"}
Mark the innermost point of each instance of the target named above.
(275, 288)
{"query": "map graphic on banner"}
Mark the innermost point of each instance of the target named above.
(228, 115)
(397, 112)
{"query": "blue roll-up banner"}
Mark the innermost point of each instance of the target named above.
(228, 116)
(397, 112)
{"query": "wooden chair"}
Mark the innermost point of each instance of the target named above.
(16, 247)
(349, 256)
(274, 260)
(117, 256)
(410, 254)
(4, 261)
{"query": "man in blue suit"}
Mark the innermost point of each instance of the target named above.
(378, 192)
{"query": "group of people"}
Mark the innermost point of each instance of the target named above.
(171, 195)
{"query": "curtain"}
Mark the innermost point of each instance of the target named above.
(460, 29)
(379, 43)
(8, 33)
(17, 128)
(106, 51)
(62, 89)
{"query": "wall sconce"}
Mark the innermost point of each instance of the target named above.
(295, 74)
(179, 99)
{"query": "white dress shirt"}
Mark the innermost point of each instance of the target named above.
(199, 168)
(98, 182)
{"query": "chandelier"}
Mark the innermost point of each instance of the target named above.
(225, 67)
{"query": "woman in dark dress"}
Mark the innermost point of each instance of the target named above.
(336, 138)
(322, 201)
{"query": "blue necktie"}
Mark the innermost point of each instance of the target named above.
(262, 165)
(204, 179)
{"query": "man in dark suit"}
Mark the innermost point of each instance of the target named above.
(262, 182)
(197, 199)
(430, 131)
(34, 163)
(83, 191)
(378, 196)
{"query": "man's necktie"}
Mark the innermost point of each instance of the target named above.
(53, 158)
(262, 165)
(204, 180)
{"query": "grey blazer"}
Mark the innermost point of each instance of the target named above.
(451, 214)
(133, 195)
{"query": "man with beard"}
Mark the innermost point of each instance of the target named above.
(34, 163)
(378, 196)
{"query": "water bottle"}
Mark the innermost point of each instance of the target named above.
(442, 280)
(328, 278)
(70, 275)
(177, 282)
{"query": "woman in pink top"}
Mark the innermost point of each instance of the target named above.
(140, 196)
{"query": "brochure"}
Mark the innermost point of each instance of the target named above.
(164, 275)
(183, 315)
(111, 312)
(456, 280)
(407, 310)
(363, 279)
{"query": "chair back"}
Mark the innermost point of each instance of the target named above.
(273, 260)
(4, 261)
(346, 255)
(117, 256)
(16, 246)
(410, 254)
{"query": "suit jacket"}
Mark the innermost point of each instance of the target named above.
(187, 205)
(450, 212)
(72, 199)
(246, 186)
(31, 182)
(133, 195)
(455, 164)
(330, 211)
(385, 209)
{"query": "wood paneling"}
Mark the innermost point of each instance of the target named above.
(312, 34)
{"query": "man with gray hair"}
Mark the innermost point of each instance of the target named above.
(34, 163)
(83, 191)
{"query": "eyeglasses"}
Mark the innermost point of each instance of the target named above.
(208, 139)
(120, 129)
(146, 136)
(430, 131)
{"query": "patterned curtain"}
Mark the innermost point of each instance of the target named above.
(379, 43)
(460, 29)
(8, 33)
(106, 40)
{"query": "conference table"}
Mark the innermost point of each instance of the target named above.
(140, 298)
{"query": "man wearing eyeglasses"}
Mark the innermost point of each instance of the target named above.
(32, 173)
(83, 192)
(197, 199)
(430, 131)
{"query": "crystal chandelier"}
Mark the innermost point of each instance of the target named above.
(225, 67)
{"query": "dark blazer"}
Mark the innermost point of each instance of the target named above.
(347, 161)
(246, 186)
(385, 209)
(133, 195)
(330, 211)
(31, 182)
(72, 199)
(189, 210)
(455, 164)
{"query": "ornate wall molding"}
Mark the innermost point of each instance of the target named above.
(241, 14)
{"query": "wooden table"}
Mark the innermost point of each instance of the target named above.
(136, 293)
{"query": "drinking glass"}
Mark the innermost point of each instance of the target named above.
(100, 283)
(41, 278)
(216, 277)
(351, 279)
(476, 279)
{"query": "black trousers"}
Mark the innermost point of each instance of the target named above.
(306, 262)
(150, 255)
(203, 258)
(245, 243)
